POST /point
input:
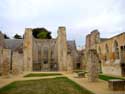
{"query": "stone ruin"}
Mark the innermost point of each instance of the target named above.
(20, 55)
(93, 61)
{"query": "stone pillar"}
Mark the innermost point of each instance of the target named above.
(92, 65)
(6, 61)
(62, 49)
(17, 63)
(28, 41)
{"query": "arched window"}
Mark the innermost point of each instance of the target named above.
(107, 48)
(107, 51)
(116, 49)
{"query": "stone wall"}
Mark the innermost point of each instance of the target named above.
(109, 50)
(112, 70)
(69, 63)
(44, 51)
(17, 63)
(109, 54)
(6, 62)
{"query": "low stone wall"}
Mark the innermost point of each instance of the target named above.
(114, 70)
(17, 63)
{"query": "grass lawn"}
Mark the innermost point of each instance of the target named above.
(59, 85)
(106, 78)
(42, 74)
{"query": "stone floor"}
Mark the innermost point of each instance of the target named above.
(100, 87)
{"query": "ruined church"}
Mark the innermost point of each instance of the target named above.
(31, 54)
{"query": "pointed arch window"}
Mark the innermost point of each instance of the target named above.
(116, 49)
(107, 51)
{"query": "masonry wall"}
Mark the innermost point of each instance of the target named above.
(17, 63)
(44, 51)
(110, 60)
(109, 51)
(6, 62)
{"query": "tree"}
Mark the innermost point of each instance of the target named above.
(41, 33)
(6, 37)
(17, 36)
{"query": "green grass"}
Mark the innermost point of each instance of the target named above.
(42, 74)
(59, 85)
(106, 78)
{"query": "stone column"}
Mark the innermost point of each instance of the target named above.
(28, 41)
(62, 49)
(92, 65)
(6, 60)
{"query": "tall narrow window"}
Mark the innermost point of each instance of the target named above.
(107, 51)
(116, 49)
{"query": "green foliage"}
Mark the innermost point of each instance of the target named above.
(106, 78)
(6, 36)
(41, 33)
(16, 36)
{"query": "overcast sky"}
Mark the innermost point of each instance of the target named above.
(79, 16)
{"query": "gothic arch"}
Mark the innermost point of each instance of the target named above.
(116, 49)
(107, 51)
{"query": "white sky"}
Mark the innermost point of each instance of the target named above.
(79, 16)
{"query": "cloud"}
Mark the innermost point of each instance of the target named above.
(79, 16)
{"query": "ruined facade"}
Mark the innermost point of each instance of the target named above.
(31, 54)
(111, 52)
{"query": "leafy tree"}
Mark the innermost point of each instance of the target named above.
(41, 33)
(6, 36)
(17, 36)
